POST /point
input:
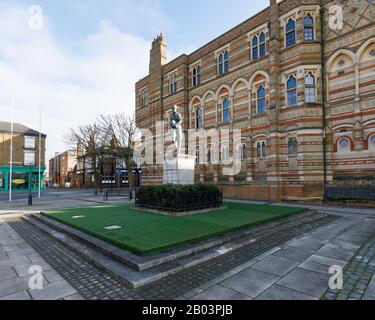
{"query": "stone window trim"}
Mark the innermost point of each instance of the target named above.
(196, 75)
(199, 109)
(312, 14)
(292, 146)
(314, 86)
(220, 53)
(339, 148)
(173, 82)
(254, 93)
(257, 33)
(292, 31)
(261, 149)
(296, 14)
(287, 91)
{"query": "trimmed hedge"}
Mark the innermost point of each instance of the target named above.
(179, 198)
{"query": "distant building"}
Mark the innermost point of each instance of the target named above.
(25, 157)
(62, 169)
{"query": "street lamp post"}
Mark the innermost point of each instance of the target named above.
(11, 149)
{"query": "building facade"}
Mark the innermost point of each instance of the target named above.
(297, 79)
(25, 176)
(62, 169)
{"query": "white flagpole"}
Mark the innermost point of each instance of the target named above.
(11, 149)
(40, 151)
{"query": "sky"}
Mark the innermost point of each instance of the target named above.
(84, 59)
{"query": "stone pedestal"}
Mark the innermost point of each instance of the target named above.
(179, 170)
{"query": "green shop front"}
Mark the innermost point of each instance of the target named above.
(24, 178)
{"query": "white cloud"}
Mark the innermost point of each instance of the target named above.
(72, 86)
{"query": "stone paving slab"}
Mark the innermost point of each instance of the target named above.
(16, 258)
(306, 262)
(275, 265)
(305, 281)
(221, 293)
(280, 293)
(250, 282)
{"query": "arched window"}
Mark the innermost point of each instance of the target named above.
(255, 47)
(308, 28)
(261, 149)
(292, 146)
(371, 146)
(344, 145)
(258, 45)
(310, 95)
(261, 100)
(223, 62)
(290, 33)
(197, 76)
(199, 118)
(291, 90)
(242, 151)
(264, 149)
(226, 110)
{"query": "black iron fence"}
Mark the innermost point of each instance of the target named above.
(366, 193)
(178, 200)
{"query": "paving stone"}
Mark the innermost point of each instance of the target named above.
(251, 282)
(11, 262)
(7, 273)
(23, 270)
(277, 292)
(275, 265)
(320, 264)
(53, 291)
(305, 281)
(52, 276)
(221, 293)
(308, 242)
(13, 286)
(75, 297)
(23, 295)
(294, 253)
(336, 252)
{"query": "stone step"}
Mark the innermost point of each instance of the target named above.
(140, 263)
(136, 279)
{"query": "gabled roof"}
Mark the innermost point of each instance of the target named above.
(19, 128)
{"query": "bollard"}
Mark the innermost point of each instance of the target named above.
(30, 200)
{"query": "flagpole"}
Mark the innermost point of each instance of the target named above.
(11, 148)
(40, 151)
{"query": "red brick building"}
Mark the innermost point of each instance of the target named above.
(298, 80)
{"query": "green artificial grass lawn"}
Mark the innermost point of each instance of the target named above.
(146, 233)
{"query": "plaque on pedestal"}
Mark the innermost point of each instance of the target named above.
(179, 170)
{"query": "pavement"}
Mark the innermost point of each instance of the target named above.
(289, 267)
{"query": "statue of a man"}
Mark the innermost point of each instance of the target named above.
(175, 122)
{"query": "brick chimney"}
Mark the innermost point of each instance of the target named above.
(158, 53)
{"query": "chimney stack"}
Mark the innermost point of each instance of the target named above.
(158, 53)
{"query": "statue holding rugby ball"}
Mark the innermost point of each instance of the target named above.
(175, 123)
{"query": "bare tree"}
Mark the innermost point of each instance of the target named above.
(121, 131)
(92, 142)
